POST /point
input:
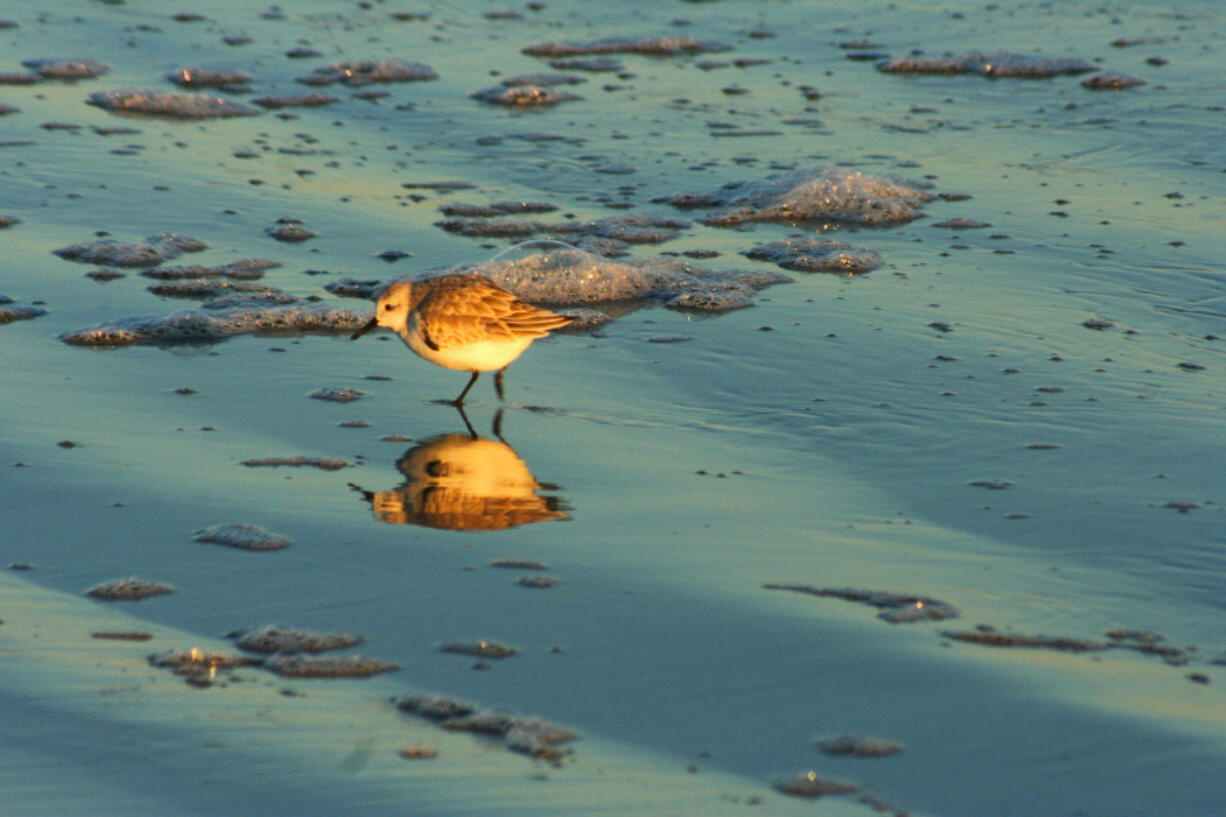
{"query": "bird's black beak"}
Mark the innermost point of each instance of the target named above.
(373, 323)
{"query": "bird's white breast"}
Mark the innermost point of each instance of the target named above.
(483, 356)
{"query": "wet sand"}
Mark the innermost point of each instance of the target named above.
(1015, 416)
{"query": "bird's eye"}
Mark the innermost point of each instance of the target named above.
(387, 307)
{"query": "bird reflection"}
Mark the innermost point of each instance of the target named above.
(461, 481)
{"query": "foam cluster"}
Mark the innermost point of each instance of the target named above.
(837, 195)
(148, 253)
(194, 326)
(523, 96)
(242, 536)
(364, 72)
(809, 254)
(652, 46)
(174, 104)
(993, 64)
(551, 272)
(273, 638)
(66, 69)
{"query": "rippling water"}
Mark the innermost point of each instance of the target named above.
(1022, 420)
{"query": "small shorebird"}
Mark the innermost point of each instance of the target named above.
(463, 322)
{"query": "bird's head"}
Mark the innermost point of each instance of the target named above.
(391, 311)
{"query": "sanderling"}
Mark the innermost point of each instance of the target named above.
(462, 322)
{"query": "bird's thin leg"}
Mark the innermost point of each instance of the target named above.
(459, 401)
(498, 424)
(471, 433)
(498, 383)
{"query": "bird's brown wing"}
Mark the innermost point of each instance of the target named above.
(470, 309)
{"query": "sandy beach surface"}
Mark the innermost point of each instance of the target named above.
(882, 474)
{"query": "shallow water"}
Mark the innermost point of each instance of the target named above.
(945, 426)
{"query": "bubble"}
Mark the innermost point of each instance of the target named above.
(168, 103)
(537, 582)
(839, 195)
(1109, 81)
(243, 269)
(67, 68)
(962, 223)
(992, 484)
(434, 707)
(480, 649)
(445, 186)
(852, 746)
(18, 79)
(129, 589)
(273, 638)
(300, 101)
(363, 72)
(352, 288)
(242, 536)
(289, 230)
(653, 46)
(809, 254)
(519, 564)
(489, 228)
(192, 326)
(196, 77)
(103, 275)
(636, 228)
(148, 253)
(523, 96)
(583, 320)
(593, 64)
(195, 660)
(539, 738)
(490, 722)
(343, 395)
(898, 608)
(498, 208)
(322, 463)
(545, 79)
(995, 64)
(1148, 643)
(607, 236)
(710, 301)
(297, 665)
(994, 639)
(8, 314)
(552, 272)
(124, 635)
(809, 784)
(263, 297)
(215, 286)
(532, 736)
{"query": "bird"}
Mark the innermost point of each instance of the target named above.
(462, 321)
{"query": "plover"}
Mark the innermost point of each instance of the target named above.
(463, 322)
